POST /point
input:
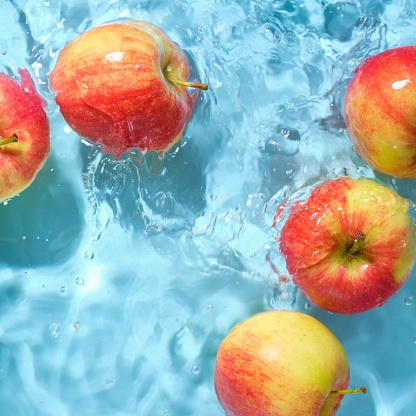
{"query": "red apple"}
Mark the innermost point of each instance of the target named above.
(124, 85)
(380, 111)
(281, 363)
(350, 246)
(24, 134)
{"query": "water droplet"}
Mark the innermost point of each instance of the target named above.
(63, 290)
(380, 302)
(227, 250)
(210, 308)
(408, 300)
(56, 330)
(308, 306)
(79, 281)
(23, 237)
(167, 413)
(110, 380)
(195, 370)
(182, 331)
(161, 154)
(89, 254)
(3, 53)
(74, 325)
(414, 340)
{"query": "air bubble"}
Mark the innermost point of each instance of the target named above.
(408, 300)
(79, 281)
(308, 306)
(195, 370)
(63, 290)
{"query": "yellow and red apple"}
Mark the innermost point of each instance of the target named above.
(281, 363)
(380, 111)
(24, 134)
(124, 85)
(351, 245)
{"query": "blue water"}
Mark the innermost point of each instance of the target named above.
(118, 281)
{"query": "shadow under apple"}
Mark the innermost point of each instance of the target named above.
(41, 226)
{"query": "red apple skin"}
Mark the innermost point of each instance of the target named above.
(318, 238)
(280, 363)
(21, 113)
(111, 86)
(380, 111)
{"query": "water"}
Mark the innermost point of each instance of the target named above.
(118, 282)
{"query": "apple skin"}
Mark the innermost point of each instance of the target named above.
(280, 363)
(350, 246)
(21, 113)
(112, 88)
(380, 111)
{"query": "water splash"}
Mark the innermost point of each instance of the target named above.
(160, 264)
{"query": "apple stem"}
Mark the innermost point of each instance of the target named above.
(8, 140)
(359, 390)
(190, 84)
(357, 245)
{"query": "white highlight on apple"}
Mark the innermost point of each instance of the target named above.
(114, 56)
(400, 84)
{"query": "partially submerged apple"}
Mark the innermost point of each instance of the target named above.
(281, 363)
(350, 246)
(124, 85)
(24, 134)
(380, 111)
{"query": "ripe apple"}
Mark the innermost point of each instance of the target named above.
(281, 363)
(351, 245)
(124, 85)
(380, 111)
(24, 134)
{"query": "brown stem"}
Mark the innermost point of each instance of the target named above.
(8, 140)
(190, 84)
(359, 390)
(357, 245)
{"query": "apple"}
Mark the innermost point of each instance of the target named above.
(124, 85)
(281, 363)
(350, 246)
(380, 111)
(24, 134)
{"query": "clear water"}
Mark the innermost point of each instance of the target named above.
(118, 282)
